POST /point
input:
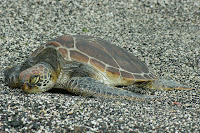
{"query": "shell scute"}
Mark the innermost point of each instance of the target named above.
(113, 74)
(96, 51)
(125, 60)
(63, 52)
(97, 64)
(75, 55)
(127, 75)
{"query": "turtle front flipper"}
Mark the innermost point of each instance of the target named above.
(90, 87)
(167, 85)
(11, 75)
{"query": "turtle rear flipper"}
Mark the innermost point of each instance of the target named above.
(167, 85)
(90, 87)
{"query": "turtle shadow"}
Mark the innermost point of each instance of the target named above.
(60, 91)
(65, 92)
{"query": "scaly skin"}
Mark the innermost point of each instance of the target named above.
(88, 86)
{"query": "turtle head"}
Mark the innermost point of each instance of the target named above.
(39, 78)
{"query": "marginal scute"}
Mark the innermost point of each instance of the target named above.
(65, 41)
(139, 77)
(113, 74)
(126, 78)
(54, 44)
(147, 76)
(97, 64)
(77, 56)
(96, 51)
(127, 75)
(63, 52)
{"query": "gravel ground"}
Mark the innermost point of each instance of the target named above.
(165, 35)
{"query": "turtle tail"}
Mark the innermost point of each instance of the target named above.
(89, 87)
(167, 85)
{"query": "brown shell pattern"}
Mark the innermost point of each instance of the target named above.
(116, 63)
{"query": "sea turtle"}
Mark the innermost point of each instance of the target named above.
(84, 65)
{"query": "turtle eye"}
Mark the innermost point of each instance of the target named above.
(34, 79)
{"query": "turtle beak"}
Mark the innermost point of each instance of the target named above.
(25, 87)
(29, 89)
